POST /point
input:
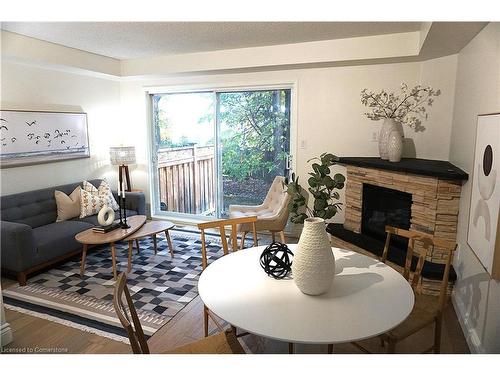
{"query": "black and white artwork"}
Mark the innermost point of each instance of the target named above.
(485, 198)
(30, 137)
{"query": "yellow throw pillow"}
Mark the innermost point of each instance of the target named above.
(92, 199)
(68, 207)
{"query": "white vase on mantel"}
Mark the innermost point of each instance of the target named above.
(388, 126)
(395, 146)
(313, 266)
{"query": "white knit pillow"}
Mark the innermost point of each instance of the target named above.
(92, 199)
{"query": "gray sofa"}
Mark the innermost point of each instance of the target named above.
(31, 239)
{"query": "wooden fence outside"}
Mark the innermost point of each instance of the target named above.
(187, 179)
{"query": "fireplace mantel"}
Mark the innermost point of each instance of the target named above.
(443, 170)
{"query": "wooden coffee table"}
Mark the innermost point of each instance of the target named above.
(89, 237)
(151, 228)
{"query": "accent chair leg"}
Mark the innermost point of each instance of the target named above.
(137, 246)
(21, 278)
(282, 236)
(291, 348)
(155, 246)
(330, 348)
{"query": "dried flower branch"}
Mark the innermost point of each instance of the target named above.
(408, 108)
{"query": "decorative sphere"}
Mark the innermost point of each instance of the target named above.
(276, 261)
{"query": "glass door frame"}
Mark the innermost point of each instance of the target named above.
(152, 147)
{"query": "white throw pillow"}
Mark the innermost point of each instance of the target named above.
(92, 199)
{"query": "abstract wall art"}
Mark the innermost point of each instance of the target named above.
(34, 137)
(483, 234)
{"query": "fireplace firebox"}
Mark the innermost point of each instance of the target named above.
(381, 207)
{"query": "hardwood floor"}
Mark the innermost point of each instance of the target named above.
(187, 326)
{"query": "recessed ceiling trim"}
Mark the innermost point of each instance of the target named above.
(133, 40)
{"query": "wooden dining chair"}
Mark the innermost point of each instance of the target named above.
(427, 309)
(221, 226)
(222, 343)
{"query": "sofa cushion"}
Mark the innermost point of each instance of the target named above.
(56, 239)
(34, 208)
(93, 219)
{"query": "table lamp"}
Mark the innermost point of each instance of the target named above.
(123, 156)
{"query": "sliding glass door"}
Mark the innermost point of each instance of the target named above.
(253, 144)
(213, 149)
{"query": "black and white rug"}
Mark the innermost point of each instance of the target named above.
(160, 286)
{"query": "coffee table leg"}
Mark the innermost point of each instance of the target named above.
(170, 246)
(113, 259)
(84, 255)
(137, 246)
(154, 243)
(130, 248)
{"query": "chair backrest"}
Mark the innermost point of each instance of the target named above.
(221, 225)
(277, 198)
(132, 326)
(426, 241)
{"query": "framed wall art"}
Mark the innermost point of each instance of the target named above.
(483, 234)
(35, 137)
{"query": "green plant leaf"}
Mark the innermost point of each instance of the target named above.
(320, 204)
(339, 178)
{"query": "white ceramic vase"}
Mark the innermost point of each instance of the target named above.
(395, 146)
(313, 266)
(388, 126)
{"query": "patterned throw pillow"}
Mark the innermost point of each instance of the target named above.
(92, 199)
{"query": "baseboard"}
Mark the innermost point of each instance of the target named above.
(6, 337)
(470, 333)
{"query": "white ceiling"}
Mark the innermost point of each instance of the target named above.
(131, 40)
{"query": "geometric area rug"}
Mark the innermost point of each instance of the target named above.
(160, 286)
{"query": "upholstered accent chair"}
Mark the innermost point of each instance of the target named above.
(272, 214)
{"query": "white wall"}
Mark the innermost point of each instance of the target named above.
(32, 88)
(476, 297)
(328, 114)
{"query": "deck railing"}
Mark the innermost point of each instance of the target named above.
(187, 179)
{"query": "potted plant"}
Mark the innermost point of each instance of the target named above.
(406, 108)
(313, 265)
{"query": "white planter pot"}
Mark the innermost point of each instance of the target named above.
(388, 126)
(395, 146)
(313, 266)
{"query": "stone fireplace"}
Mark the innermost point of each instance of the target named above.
(416, 194)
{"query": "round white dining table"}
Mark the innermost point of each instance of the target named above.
(366, 298)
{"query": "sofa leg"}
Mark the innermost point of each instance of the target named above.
(21, 278)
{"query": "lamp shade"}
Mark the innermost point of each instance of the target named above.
(122, 155)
